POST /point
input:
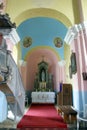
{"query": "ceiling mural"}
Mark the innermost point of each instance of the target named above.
(27, 41)
(42, 31)
(58, 42)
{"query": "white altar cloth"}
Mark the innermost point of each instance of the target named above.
(43, 97)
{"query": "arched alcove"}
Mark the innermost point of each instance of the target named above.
(34, 58)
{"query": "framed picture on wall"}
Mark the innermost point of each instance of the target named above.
(73, 63)
(84, 74)
(70, 72)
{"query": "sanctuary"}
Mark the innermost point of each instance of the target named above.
(43, 79)
(43, 85)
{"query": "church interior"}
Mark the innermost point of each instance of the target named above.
(43, 57)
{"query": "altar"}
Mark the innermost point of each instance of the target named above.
(43, 97)
(43, 78)
(43, 85)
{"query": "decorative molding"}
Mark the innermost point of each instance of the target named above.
(5, 22)
(13, 36)
(84, 26)
(61, 63)
(8, 29)
(74, 31)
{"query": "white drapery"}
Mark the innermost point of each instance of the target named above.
(16, 86)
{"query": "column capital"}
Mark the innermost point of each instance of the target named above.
(73, 32)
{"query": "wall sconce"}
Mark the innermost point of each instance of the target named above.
(84, 74)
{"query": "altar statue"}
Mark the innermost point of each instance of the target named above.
(43, 75)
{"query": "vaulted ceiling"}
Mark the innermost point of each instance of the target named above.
(42, 31)
(43, 21)
(41, 24)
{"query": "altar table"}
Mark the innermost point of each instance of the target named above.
(43, 97)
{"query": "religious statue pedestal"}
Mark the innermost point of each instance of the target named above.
(42, 85)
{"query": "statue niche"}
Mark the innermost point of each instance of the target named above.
(43, 75)
(42, 78)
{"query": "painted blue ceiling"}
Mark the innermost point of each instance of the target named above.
(42, 30)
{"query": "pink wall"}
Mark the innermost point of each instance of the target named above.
(32, 66)
(23, 71)
(79, 46)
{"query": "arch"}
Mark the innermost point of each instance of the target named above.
(43, 12)
(42, 48)
(50, 56)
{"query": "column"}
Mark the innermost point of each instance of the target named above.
(80, 10)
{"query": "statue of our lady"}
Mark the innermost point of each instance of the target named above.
(43, 76)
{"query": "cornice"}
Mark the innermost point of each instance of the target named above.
(74, 31)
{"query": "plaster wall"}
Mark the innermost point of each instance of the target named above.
(78, 46)
(32, 66)
(14, 10)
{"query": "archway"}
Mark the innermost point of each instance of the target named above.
(34, 57)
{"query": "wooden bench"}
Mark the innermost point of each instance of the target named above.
(68, 113)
